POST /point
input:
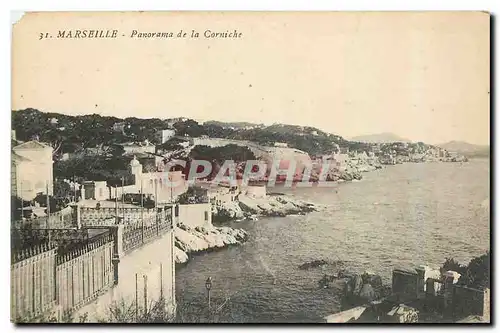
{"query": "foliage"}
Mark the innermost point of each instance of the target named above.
(475, 274)
(63, 189)
(66, 318)
(15, 207)
(127, 312)
(451, 264)
(193, 193)
(72, 133)
(221, 154)
(90, 167)
(54, 203)
(189, 128)
(170, 145)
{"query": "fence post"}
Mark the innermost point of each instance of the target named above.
(145, 277)
(116, 253)
(76, 207)
(136, 298)
(158, 217)
(161, 280)
(119, 239)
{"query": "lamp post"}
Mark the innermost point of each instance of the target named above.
(123, 199)
(208, 285)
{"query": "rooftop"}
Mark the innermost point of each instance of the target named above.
(32, 145)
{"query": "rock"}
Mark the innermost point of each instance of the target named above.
(226, 211)
(347, 286)
(357, 284)
(373, 279)
(200, 239)
(367, 292)
(313, 264)
(277, 206)
(180, 256)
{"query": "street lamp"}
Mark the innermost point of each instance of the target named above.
(208, 285)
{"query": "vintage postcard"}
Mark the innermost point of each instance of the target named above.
(250, 167)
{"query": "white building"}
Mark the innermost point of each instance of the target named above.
(134, 148)
(119, 127)
(95, 190)
(157, 183)
(165, 135)
(281, 144)
(31, 170)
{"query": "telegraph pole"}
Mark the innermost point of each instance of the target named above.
(22, 202)
(142, 211)
(156, 193)
(48, 210)
(48, 205)
(116, 205)
(171, 188)
(123, 198)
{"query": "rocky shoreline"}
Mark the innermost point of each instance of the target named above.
(189, 241)
(250, 208)
(354, 288)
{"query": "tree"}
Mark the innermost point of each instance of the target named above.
(54, 204)
(189, 127)
(116, 150)
(62, 189)
(16, 203)
(477, 273)
(451, 264)
(194, 193)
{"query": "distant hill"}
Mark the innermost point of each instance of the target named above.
(379, 138)
(467, 149)
(235, 125)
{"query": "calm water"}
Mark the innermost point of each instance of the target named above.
(401, 215)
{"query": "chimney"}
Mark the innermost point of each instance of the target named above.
(13, 135)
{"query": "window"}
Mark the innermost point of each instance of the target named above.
(206, 216)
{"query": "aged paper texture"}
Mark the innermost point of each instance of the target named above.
(251, 167)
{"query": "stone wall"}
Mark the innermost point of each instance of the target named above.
(405, 284)
(470, 301)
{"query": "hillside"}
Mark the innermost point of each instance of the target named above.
(69, 134)
(467, 149)
(233, 125)
(380, 138)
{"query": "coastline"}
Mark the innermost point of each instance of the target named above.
(192, 241)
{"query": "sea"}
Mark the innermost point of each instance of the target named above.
(399, 216)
